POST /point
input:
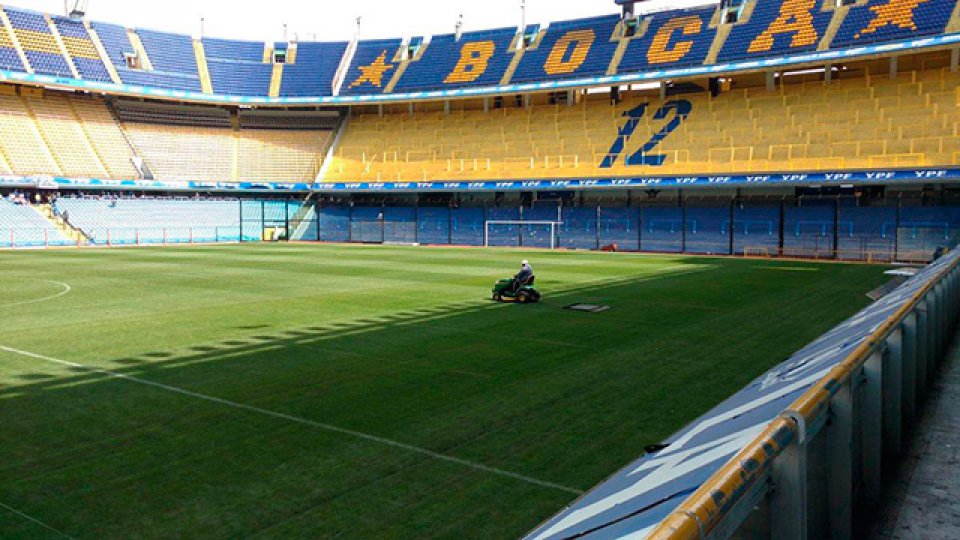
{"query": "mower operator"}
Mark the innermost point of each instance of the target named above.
(524, 276)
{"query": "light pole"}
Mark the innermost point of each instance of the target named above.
(523, 24)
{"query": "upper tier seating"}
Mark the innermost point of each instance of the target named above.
(372, 67)
(9, 58)
(171, 55)
(22, 226)
(38, 43)
(680, 38)
(313, 71)
(476, 58)
(860, 122)
(81, 49)
(592, 47)
(570, 49)
(777, 27)
(237, 67)
(878, 20)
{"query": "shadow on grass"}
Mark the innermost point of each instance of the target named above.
(549, 394)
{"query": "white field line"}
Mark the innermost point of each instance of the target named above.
(65, 290)
(303, 421)
(34, 520)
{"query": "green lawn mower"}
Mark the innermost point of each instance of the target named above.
(503, 291)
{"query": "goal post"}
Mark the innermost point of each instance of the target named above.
(491, 227)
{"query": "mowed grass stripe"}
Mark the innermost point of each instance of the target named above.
(298, 420)
(334, 334)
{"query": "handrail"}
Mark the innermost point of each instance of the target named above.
(706, 507)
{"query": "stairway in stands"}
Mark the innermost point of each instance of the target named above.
(67, 230)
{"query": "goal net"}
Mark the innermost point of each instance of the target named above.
(521, 233)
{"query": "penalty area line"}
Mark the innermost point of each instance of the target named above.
(34, 520)
(303, 421)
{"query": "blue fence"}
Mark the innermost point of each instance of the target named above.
(817, 229)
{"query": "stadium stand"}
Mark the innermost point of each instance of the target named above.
(776, 27)
(237, 67)
(882, 20)
(22, 226)
(862, 121)
(312, 70)
(57, 134)
(82, 50)
(38, 43)
(117, 221)
(677, 38)
(9, 57)
(448, 62)
(202, 143)
(570, 49)
(591, 47)
(372, 67)
(172, 54)
(117, 43)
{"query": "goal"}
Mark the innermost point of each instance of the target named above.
(521, 233)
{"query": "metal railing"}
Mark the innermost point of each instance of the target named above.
(819, 464)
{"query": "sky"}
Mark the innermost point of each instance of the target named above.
(333, 20)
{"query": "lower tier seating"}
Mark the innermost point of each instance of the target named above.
(224, 154)
(22, 226)
(111, 221)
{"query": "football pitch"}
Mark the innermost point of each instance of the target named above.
(297, 391)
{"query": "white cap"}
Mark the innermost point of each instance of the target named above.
(524, 262)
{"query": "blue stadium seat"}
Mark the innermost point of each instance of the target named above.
(756, 229)
(466, 226)
(237, 67)
(503, 235)
(794, 26)
(433, 225)
(89, 65)
(579, 229)
(334, 223)
(808, 229)
(156, 221)
(22, 226)
(379, 53)
(314, 70)
(587, 50)
(400, 225)
(873, 22)
(485, 54)
(708, 230)
(38, 43)
(117, 44)
(687, 36)
(662, 229)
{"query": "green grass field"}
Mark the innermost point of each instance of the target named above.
(285, 391)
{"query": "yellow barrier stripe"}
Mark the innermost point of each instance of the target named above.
(704, 509)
